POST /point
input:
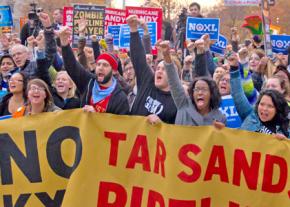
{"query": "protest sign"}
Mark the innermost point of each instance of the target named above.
(220, 45)
(196, 27)
(149, 15)
(97, 160)
(68, 14)
(241, 2)
(115, 31)
(228, 108)
(114, 17)
(125, 34)
(5, 16)
(95, 16)
(280, 43)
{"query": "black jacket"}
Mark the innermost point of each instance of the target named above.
(118, 103)
(149, 99)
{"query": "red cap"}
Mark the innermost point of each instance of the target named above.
(111, 58)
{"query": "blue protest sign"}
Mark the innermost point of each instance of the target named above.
(115, 31)
(5, 16)
(280, 43)
(125, 34)
(5, 117)
(228, 108)
(220, 45)
(196, 27)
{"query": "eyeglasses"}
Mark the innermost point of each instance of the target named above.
(225, 80)
(203, 90)
(35, 89)
(15, 80)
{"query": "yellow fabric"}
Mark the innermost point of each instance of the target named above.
(140, 181)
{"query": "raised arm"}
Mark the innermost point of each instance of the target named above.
(79, 75)
(201, 67)
(137, 51)
(146, 39)
(244, 108)
(177, 91)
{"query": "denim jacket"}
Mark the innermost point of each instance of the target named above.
(250, 119)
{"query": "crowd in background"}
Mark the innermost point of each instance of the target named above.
(185, 86)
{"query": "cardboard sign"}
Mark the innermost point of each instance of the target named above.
(220, 45)
(6, 19)
(125, 34)
(196, 27)
(280, 43)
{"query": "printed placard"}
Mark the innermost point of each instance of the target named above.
(95, 16)
(220, 45)
(196, 27)
(280, 43)
(125, 34)
(6, 19)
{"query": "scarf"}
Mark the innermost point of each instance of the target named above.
(98, 94)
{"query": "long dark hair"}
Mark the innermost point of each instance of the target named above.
(215, 96)
(25, 81)
(281, 106)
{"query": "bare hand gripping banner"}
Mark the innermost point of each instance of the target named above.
(75, 159)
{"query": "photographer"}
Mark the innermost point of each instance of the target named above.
(33, 26)
(194, 11)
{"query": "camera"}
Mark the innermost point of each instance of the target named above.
(33, 13)
(35, 24)
(182, 18)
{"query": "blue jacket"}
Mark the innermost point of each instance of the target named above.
(250, 119)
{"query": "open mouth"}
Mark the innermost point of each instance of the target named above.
(264, 115)
(12, 87)
(158, 77)
(100, 75)
(60, 87)
(200, 101)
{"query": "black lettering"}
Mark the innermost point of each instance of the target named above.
(53, 150)
(21, 201)
(48, 202)
(29, 165)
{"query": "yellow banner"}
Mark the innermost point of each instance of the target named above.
(77, 159)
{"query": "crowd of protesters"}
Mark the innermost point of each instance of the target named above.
(43, 73)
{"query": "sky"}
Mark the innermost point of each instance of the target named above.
(118, 3)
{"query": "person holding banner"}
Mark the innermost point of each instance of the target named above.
(201, 107)
(101, 92)
(39, 99)
(153, 97)
(270, 114)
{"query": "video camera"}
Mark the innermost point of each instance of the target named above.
(33, 13)
(182, 18)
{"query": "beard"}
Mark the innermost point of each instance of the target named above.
(106, 79)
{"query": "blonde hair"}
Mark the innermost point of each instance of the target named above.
(72, 90)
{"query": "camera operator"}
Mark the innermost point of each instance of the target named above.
(33, 26)
(194, 11)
